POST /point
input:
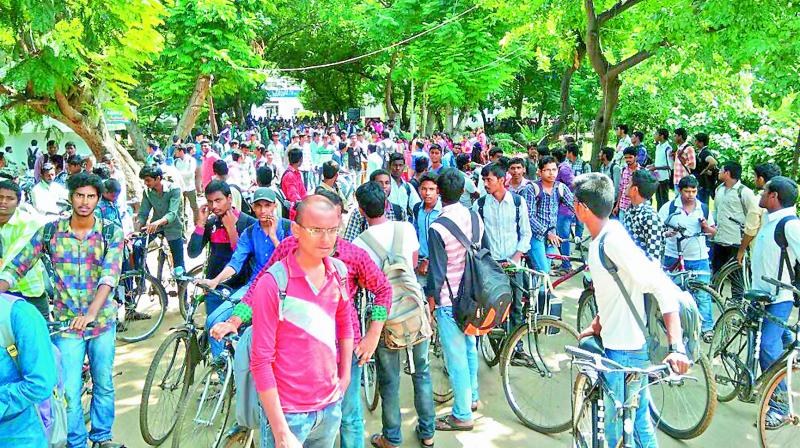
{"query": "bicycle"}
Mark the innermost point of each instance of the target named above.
(590, 389)
(172, 370)
(733, 279)
(780, 393)
(369, 373)
(534, 367)
(440, 379)
(203, 415)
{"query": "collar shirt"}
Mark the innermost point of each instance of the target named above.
(624, 183)
(403, 195)
(523, 183)
(639, 275)
(111, 211)
(167, 204)
(622, 143)
(766, 253)
(693, 248)
(14, 236)
(579, 166)
(644, 225)
(423, 222)
(499, 218)
(543, 206)
(45, 197)
(684, 162)
(734, 209)
(663, 161)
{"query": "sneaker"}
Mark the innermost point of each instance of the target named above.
(708, 336)
(522, 359)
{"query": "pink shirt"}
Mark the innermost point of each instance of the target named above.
(208, 166)
(293, 187)
(297, 354)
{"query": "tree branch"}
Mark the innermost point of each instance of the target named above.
(618, 8)
(631, 61)
(69, 112)
(596, 57)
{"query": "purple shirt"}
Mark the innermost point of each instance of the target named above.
(566, 177)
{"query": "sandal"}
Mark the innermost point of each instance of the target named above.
(107, 444)
(378, 441)
(421, 440)
(447, 423)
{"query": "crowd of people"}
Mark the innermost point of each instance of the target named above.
(300, 217)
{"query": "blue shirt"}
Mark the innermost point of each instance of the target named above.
(448, 160)
(543, 207)
(23, 388)
(255, 242)
(423, 222)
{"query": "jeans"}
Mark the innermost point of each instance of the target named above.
(772, 334)
(100, 351)
(643, 432)
(563, 225)
(388, 364)
(175, 247)
(538, 254)
(352, 431)
(703, 300)
(461, 358)
(221, 312)
(313, 429)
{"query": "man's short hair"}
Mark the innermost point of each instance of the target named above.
(630, 151)
(516, 161)
(80, 180)
(13, 186)
(451, 185)
(395, 156)
(495, 151)
(623, 127)
(264, 176)
(682, 132)
(218, 186)
(371, 148)
(462, 160)
(733, 168)
(546, 160)
(371, 199)
(560, 155)
(767, 171)
(645, 182)
(295, 156)
(688, 182)
(639, 135)
(608, 153)
(664, 132)
(112, 186)
(435, 147)
(702, 137)
(151, 172)
(574, 149)
(102, 171)
(75, 159)
(329, 195)
(494, 169)
(786, 189)
(421, 164)
(381, 172)
(428, 177)
(330, 169)
(220, 167)
(596, 192)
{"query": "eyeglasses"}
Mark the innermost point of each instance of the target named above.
(317, 232)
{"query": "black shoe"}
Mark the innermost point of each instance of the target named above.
(135, 315)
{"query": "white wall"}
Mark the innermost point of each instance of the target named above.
(20, 142)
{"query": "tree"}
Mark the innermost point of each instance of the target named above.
(73, 61)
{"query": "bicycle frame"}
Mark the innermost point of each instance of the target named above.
(572, 273)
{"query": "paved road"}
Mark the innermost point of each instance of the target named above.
(496, 425)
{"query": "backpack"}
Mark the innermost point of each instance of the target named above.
(517, 204)
(484, 296)
(783, 243)
(32, 153)
(673, 207)
(408, 323)
(53, 410)
(285, 205)
(49, 231)
(655, 333)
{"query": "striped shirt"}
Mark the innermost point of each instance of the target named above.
(500, 218)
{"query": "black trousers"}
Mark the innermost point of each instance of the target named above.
(721, 254)
(662, 192)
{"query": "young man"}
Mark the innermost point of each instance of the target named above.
(354, 155)
(374, 159)
(292, 184)
(532, 163)
(703, 171)
(447, 263)
(663, 166)
(371, 202)
(110, 162)
(642, 221)
(735, 208)
(763, 174)
(610, 168)
(301, 366)
(253, 250)
(45, 157)
(418, 153)
(579, 166)
(402, 193)
(164, 200)
(615, 323)
(209, 157)
(516, 167)
(358, 222)
(623, 141)
(276, 147)
(74, 164)
(779, 198)
(330, 176)
(46, 195)
(186, 166)
(684, 157)
(565, 213)
(420, 169)
(108, 208)
(221, 233)
(637, 141)
(495, 154)
(425, 213)
(471, 191)
(435, 152)
(506, 220)
(86, 255)
(17, 228)
(690, 213)
(544, 197)
(631, 166)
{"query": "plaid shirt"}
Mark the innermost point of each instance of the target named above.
(79, 269)
(358, 223)
(684, 153)
(15, 235)
(644, 225)
(543, 207)
(625, 181)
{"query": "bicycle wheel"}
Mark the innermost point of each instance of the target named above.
(241, 440)
(491, 345)
(86, 395)
(369, 378)
(440, 379)
(587, 309)
(784, 428)
(145, 303)
(164, 387)
(185, 294)
(535, 369)
(684, 409)
(717, 305)
(731, 282)
(203, 414)
(587, 407)
(728, 353)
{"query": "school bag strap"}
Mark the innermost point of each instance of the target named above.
(7, 340)
(612, 269)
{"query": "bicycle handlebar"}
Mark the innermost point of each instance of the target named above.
(604, 365)
(63, 325)
(224, 293)
(780, 284)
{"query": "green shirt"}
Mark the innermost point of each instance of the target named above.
(14, 236)
(166, 204)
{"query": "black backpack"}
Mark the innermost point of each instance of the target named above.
(484, 295)
(783, 243)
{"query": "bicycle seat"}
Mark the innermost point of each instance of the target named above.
(759, 296)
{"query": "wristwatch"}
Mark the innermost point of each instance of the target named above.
(677, 347)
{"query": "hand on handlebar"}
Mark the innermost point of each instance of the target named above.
(554, 239)
(222, 329)
(209, 283)
(678, 362)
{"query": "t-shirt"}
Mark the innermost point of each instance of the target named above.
(384, 233)
(707, 180)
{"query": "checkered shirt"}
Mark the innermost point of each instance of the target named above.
(644, 225)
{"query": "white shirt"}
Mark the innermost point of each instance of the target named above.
(45, 197)
(663, 158)
(384, 233)
(766, 253)
(399, 195)
(122, 199)
(173, 175)
(693, 248)
(639, 275)
(469, 188)
(306, 165)
(187, 166)
(621, 145)
(729, 204)
(499, 219)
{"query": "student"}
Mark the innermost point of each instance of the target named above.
(642, 221)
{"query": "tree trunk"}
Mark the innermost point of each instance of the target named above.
(483, 117)
(239, 111)
(462, 115)
(448, 119)
(138, 139)
(602, 122)
(566, 81)
(388, 88)
(404, 122)
(519, 99)
(212, 115)
(194, 106)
